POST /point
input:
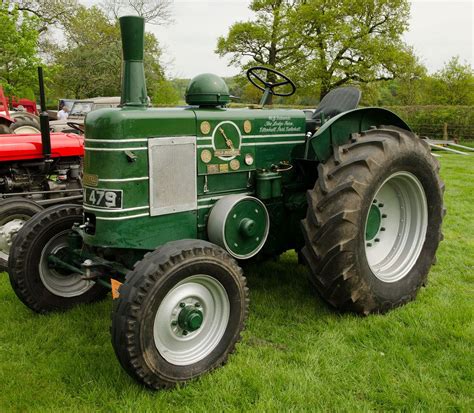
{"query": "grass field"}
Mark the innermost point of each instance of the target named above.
(296, 354)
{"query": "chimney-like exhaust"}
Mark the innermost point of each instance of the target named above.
(133, 72)
(44, 119)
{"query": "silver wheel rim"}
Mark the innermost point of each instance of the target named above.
(57, 283)
(394, 250)
(172, 343)
(26, 129)
(8, 231)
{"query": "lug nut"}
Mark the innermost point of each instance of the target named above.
(197, 305)
(182, 305)
(384, 215)
(380, 205)
(185, 333)
(174, 323)
(369, 244)
(374, 201)
(376, 240)
(382, 229)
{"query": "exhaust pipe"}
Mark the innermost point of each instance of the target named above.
(44, 120)
(134, 92)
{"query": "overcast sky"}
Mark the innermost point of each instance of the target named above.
(438, 30)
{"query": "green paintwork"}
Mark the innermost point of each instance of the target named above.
(374, 220)
(133, 73)
(338, 130)
(268, 185)
(245, 227)
(190, 318)
(207, 89)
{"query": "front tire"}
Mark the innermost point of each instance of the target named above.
(179, 314)
(13, 215)
(38, 285)
(373, 222)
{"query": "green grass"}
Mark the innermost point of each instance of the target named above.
(296, 353)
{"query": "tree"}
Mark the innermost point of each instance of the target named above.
(355, 41)
(90, 65)
(153, 11)
(325, 43)
(18, 51)
(453, 84)
(269, 40)
(48, 12)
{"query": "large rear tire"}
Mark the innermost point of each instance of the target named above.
(25, 125)
(179, 314)
(373, 222)
(13, 215)
(40, 286)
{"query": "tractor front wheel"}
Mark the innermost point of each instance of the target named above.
(179, 313)
(373, 222)
(14, 213)
(37, 281)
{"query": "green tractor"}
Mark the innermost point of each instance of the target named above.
(175, 200)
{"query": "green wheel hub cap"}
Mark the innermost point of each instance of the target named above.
(245, 227)
(240, 224)
(374, 220)
(190, 318)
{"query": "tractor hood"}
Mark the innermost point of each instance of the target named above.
(28, 146)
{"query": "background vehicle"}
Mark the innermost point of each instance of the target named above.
(37, 170)
(80, 109)
(18, 121)
(176, 199)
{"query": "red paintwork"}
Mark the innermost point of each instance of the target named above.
(28, 146)
(4, 107)
(29, 105)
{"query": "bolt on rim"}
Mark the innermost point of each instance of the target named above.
(396, 226)
(191, 320)
(61, 282)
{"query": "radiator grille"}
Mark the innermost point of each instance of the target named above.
(172, 175)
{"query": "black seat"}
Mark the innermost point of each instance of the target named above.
(335, 102)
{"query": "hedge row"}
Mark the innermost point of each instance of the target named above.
(430, 120)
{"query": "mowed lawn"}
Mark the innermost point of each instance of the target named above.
(296, 354)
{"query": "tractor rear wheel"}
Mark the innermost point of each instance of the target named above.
(373, 222)
(4, 129)
(38, 284)
(23, 125)
(179, 313)
(13, 215)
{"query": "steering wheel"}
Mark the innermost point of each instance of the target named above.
(76, 126)
(267, 86)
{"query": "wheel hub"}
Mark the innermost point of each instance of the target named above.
(190, 318)
(396, 227)
(374, 221)
(8, 232)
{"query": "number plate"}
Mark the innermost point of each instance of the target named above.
(103, 198)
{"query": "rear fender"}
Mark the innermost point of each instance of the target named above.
(338, 130)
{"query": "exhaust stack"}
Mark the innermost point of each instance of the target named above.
(44, 119)
(134, 92)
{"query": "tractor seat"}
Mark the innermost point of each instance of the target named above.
(335, 102)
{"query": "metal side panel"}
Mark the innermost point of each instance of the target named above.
(172, 175)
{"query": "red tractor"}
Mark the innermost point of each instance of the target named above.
(22, 119)
(37, 170)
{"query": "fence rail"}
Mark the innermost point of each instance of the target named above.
(444, 131)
